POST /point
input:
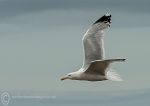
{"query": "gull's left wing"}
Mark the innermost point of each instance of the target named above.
(93, 40)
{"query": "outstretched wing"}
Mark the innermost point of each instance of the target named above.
(93, 40)
(100, 66)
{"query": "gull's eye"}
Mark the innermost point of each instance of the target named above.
(69, 75)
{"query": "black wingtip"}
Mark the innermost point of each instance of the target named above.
(124, 59)
(106, 17)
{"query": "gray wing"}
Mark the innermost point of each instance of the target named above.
(97, 67)
(100, 66)
(93, 47)
(93, 40)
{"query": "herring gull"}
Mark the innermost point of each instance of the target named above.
(95, 67)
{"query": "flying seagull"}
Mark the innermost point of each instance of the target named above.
(95, 67)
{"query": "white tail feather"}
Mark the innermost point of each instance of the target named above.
(113, 75)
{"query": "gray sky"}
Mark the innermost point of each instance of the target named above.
(40, 40)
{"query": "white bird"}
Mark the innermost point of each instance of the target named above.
(95, 67)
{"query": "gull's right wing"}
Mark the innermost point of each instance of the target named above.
(100, 66)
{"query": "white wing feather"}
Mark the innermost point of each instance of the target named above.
(93, 43)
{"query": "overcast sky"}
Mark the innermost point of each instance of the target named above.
(40, 40)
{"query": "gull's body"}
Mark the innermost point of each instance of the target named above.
(95, 66)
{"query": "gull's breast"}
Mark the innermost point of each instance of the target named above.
(92, 77)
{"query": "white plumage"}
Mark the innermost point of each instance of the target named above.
(95, 67)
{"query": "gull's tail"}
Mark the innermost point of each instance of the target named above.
(112, 75)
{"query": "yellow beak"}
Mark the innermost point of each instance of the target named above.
(63, 78)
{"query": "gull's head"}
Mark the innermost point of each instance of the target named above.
(71, 76)
(104, 21)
